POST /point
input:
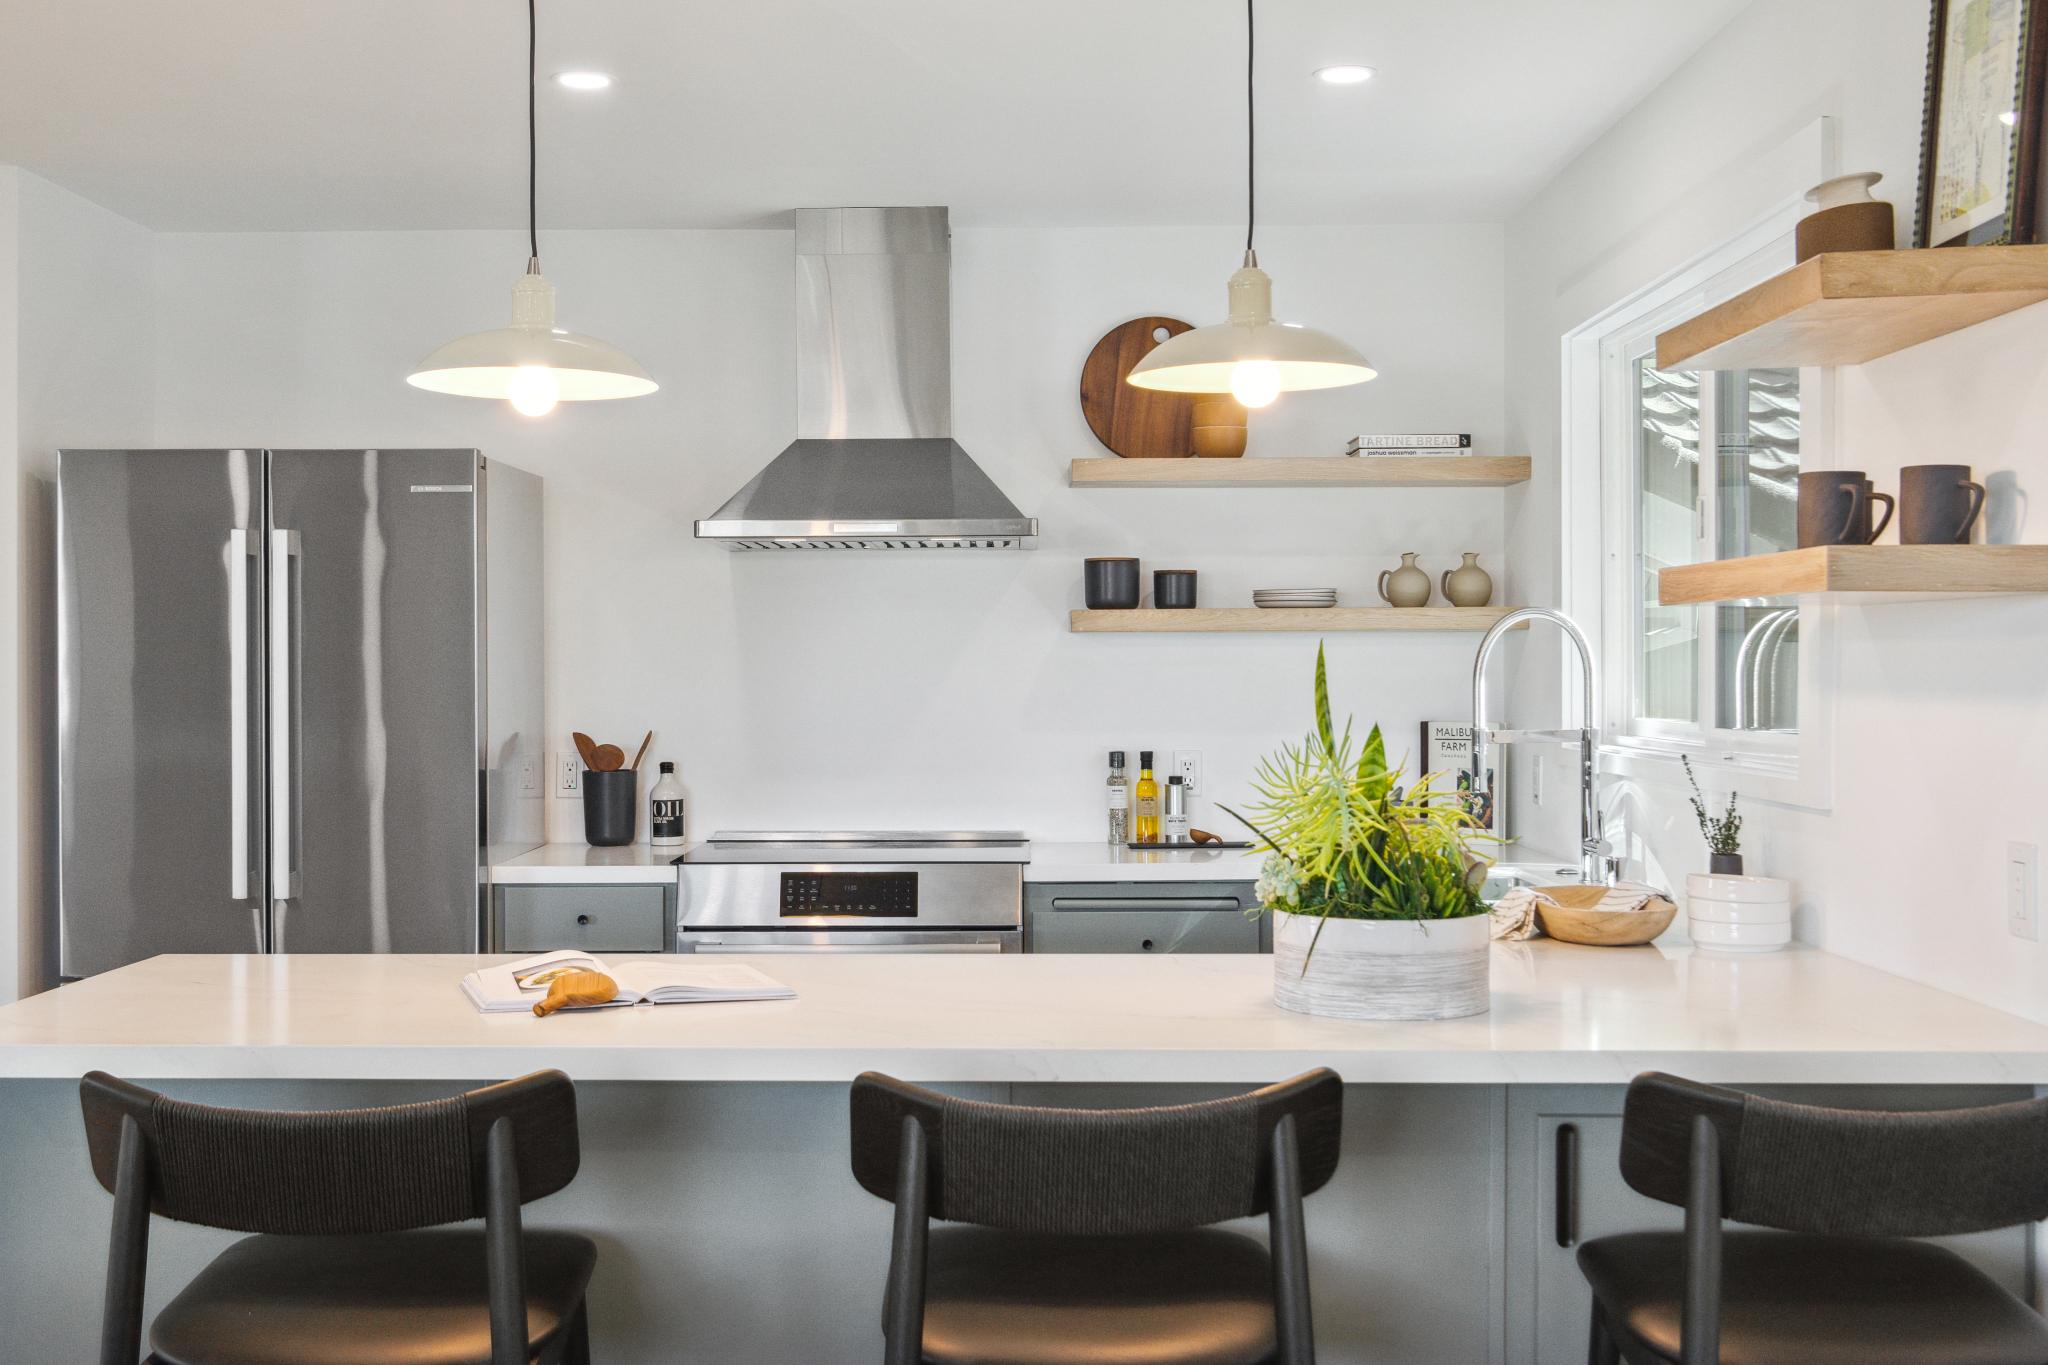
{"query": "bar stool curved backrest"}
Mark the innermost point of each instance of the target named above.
(1812, 1169)
(328, 1173)
(1098, 1172)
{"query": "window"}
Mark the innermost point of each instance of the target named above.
(1709, 462)
(1672, 467)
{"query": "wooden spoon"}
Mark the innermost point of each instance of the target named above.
(571, 989)
(643, 750)
(587, 747)
(607, 758)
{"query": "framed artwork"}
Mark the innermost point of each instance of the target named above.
(1981, 141)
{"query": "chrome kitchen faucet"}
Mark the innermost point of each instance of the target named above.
(1596, 865)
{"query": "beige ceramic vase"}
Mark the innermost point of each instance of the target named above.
(1407, 586)
(1468, 585)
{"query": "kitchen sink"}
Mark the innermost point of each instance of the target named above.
(1502, 878)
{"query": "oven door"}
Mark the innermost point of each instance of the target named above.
(851, 941)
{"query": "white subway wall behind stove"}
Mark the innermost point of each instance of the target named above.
(904, 689)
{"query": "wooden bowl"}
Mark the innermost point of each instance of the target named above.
(1574, 920)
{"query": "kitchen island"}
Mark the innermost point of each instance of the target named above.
(715, 1171)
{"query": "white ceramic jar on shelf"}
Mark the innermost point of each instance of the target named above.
(1728, 914)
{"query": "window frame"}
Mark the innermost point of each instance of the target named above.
(1601, 554)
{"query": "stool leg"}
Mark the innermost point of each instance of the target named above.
(578, 1352)
(1601, 1348)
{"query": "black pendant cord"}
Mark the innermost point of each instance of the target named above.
(1251, 142)
(532, 138)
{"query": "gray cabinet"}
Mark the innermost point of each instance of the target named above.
(1142, 917)
(602, 919)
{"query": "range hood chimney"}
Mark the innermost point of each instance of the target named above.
(874, 465)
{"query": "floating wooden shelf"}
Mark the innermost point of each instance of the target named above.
(1926, 569)
(1363, 471)
(1321, 620)
(1844, 308)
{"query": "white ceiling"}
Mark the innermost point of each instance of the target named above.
(326, 114)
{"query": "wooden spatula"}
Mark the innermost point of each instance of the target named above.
(587, 747)
(607, 758)
(643, 750)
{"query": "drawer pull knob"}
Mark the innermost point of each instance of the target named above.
(583, 919)
(1146, 945)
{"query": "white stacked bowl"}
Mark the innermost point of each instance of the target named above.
(1738, 914)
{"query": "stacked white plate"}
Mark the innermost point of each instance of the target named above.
(1730, 914)
(1294, 597)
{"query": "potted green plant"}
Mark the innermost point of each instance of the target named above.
(1374, 887)
(1722, 832)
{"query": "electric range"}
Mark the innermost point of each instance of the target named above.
(876, 891)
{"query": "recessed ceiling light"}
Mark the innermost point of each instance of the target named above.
(2009, 118)
(1343, 75)
(583, 80)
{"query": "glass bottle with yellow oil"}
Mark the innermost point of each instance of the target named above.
(1145, 805)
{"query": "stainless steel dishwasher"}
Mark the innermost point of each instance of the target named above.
(1143, 917)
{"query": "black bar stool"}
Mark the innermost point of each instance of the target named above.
(1092, 1241)
(1840, 1282)
(340, 1273)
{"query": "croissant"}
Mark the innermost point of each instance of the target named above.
(576, 988)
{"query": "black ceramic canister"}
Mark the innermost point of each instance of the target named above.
(610, 803)
(1110, 584)
(1173, 589)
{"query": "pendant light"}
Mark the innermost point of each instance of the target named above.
(532, 364)
(1249, 355)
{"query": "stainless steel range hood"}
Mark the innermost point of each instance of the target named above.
(874, 465)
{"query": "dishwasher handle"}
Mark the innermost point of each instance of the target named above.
(979, 947)
(1146, 903)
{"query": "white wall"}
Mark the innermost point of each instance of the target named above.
(1940, 742)
(83, 290)
(881, 689)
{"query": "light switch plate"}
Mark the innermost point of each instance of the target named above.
(2022, 891)
(529, 774)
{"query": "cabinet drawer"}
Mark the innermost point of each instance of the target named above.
(1140, 917)
(618, 919)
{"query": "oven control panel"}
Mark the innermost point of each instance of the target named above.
(866, 895)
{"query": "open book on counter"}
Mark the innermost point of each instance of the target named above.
(518, 986)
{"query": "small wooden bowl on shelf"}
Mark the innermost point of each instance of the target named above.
(1574, 920)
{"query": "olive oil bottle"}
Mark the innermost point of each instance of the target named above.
(1145, 827)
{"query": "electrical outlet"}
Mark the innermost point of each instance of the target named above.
(529, 774)
(568, 772)
(1188, 763)
(2022, 891)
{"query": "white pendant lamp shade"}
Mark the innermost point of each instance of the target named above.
(1249, 355)
(532, 364)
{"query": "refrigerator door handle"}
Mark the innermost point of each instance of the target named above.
(240, 548)
(284, 547)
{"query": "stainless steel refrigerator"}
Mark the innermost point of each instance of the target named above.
(299, 698)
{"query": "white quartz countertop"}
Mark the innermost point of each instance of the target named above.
(1561, 1014)
(582, 865)
(638, 864)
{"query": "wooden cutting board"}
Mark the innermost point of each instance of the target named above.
(1138, 424)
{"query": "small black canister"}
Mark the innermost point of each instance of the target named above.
(610, 803)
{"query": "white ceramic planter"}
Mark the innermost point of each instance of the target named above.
(1382, 969)
(1738, 914)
